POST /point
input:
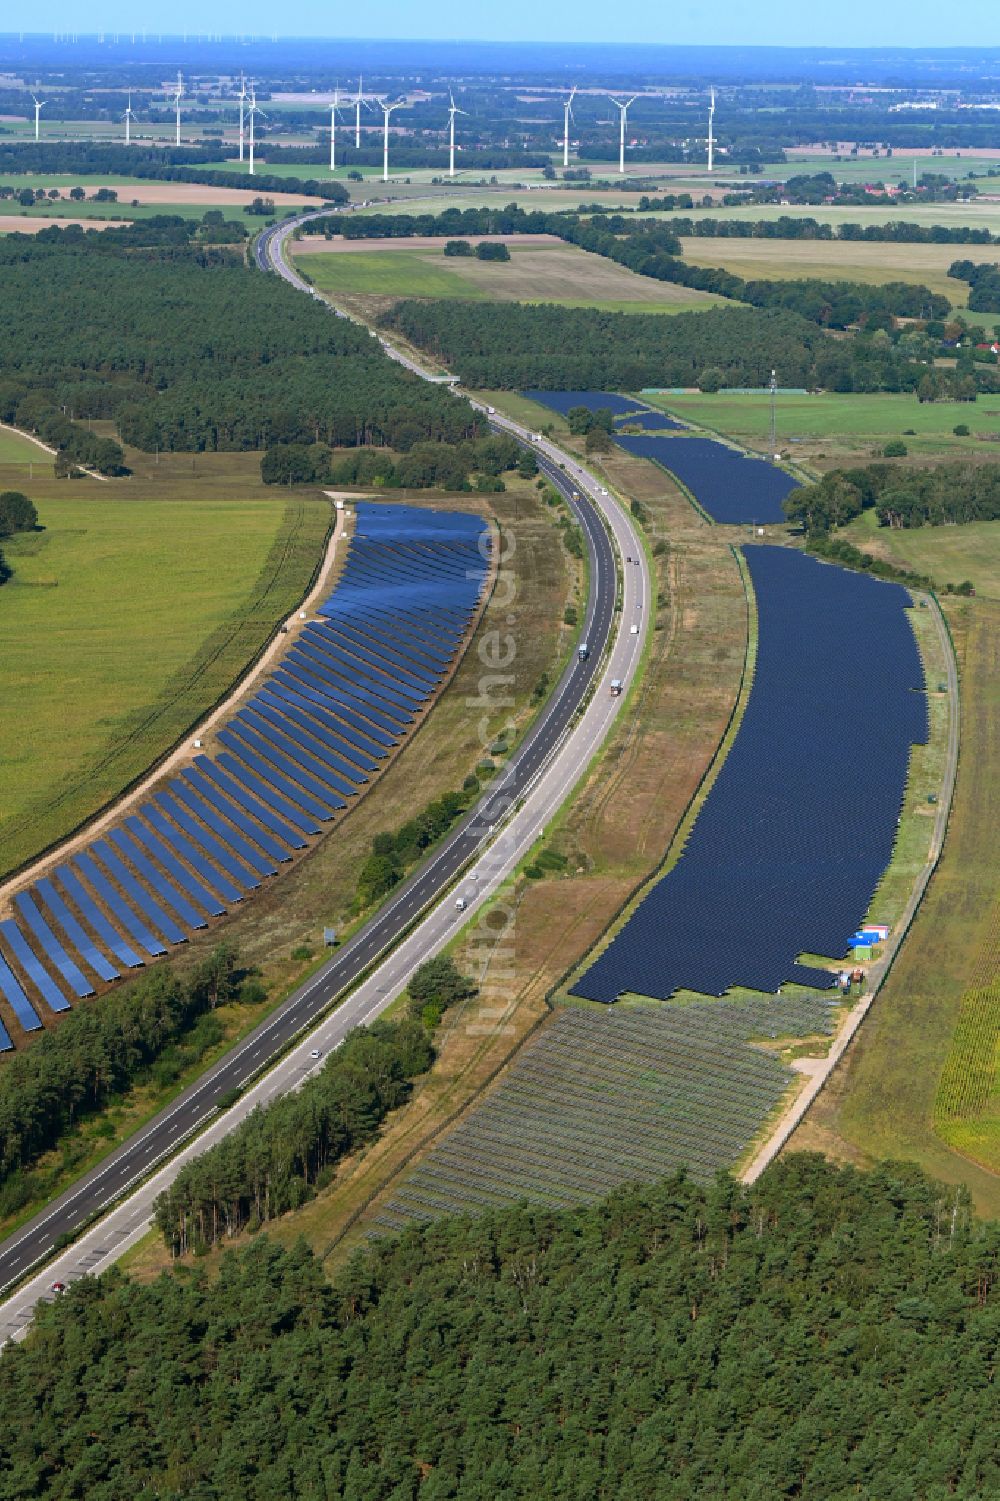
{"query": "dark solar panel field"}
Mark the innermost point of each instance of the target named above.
(294, 755)
(796, 833)
(732, 488)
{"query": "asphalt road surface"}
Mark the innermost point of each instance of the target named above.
(373, 967)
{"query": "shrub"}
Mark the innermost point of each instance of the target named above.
(895, 449)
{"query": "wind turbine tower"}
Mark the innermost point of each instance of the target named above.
(334, 107)
(178, 96)
(358, 101)
(452, 112)
(242, 96)
(711, 129)
(623, 109)
(387, 110)
(567, 117)
(252, 113)
(39, 106)
(127, 117)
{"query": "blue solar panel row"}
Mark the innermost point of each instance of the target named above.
(796, 833)
(733, 488)
(309, 739)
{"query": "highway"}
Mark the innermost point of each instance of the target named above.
(373, 966)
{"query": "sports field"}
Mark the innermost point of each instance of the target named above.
(839, 260)
(535, 273)
(123, 622)
(829, 424)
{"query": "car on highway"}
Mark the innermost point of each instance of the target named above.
(58, 1287)
(315, 1052)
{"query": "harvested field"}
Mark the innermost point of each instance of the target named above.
(839, 260)
(537, 272)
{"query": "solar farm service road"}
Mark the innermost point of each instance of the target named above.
(422, 916)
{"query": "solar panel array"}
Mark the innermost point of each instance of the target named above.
(344, 695)
(798, 828)
(730, 486)
(623, 408)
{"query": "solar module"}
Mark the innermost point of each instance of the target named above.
(798, 828)
(137, 930)
(51, 947)
(564, 401)
(165, 890)
(263, 789)
(160, 848)
(323, 731)
(323, 763)
(206, 814)
(10, 989)
(137, 893)
(228, 798)
(265, 743)
(733, 488)
(78, 936)
(216, 879)
(33, 967)
(6, 1046)
(70, 881)
(242, 878)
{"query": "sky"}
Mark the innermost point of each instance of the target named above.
(844, 23)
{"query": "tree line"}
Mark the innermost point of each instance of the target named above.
(201, 353)
(952, 493)
(513, 346)
(421, 465)
(788, 227)
(984, 284)
(823, 1333)
(100, 1051)
(278, 1156)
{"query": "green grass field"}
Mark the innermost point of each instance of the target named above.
(948, 554)
(17, 450)
(123, 622)
(544, 272)
(843, 423)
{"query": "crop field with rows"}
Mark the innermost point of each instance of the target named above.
(967, 1104)
(618, 1096)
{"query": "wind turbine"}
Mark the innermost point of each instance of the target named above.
(242, 96)
(251, 112)
(387, 110)
(711, 129)
(358, 101)
(127, 117)
(452, 112)
(39, 106)
(623, 108)
(178, 95)
(334, 107)
(567, 117)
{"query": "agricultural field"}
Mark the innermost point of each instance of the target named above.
(967, 1103)
(124, 620)
(557, 273)
(982, 214)
(888, 169)
(831, 428)
(838, 260)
